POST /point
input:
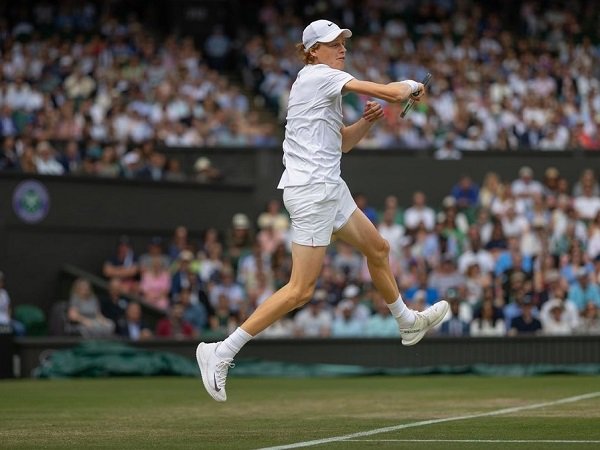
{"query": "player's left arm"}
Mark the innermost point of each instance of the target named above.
(352, 134)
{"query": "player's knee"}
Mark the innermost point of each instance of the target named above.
(299, 296)
(380, 251)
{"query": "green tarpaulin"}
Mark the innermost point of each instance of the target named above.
(102, 359)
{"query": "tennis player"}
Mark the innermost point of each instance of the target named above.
(319, 201)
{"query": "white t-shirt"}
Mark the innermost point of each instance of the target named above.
(312, 148)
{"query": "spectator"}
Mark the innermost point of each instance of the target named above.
(448, 150)
(446, 276)
(123, 265)
(45, 161)
(133, 327)
(5, 312)
(206, 173)
(465, 192)
(84, 311)
(363, 204)
(454, 326)
(186, 278)
(381, 323)
(195, 314)
(582, 291)
(174, 326)
(526, 323)
(555, 323)
(488, 322)
(222, 322)
(154, 251)
(113, 305)
(314, 320)
(228, 287)
(155, 284)
(590, 321)
(418, 213)
(346, 324)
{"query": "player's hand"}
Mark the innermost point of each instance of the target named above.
(372, 112)
(420, 93)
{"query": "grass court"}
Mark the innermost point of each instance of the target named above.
(433, 412)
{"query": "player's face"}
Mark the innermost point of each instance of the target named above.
(332, 53)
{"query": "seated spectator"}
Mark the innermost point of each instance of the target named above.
(17, 327)
(274, 215)
(178, 243)
(360, 311)
(133, 326)
(45, 160)
(223, 322)
(583, 290)
(195, 314)
(431, 294)
(206, 173)
(123, 265)
(84, 310)
(345, 325)
(314, 320)
(381, 323)
(226, 285)
(453, 325)
(114, 305)
(525, 323)
(186, 278)
(556, 323)
(418, 213)
(446, 276)
(590, 320)
(174, 326)
(155, 284)
(154, 249)
(570, 313)
(488, 322)
(465, 192)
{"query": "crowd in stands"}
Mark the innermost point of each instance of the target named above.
(512, 257)
(83, 91)
(504, 78)
(86, 91)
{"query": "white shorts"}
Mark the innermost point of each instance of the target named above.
(318, 210)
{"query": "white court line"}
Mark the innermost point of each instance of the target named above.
(434, 421)
(503, 441)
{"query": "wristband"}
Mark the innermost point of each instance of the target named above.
(414, 86)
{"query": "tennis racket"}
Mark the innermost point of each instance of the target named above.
(411, 102)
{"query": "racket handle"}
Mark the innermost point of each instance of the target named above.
(411, 102)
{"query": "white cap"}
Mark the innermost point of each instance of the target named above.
(322, 31)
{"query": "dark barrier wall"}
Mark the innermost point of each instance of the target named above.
(86, 216)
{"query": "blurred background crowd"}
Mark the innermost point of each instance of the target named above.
(513, 257)
(86, 89)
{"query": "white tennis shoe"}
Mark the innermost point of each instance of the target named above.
(426, 320)
(213, 370)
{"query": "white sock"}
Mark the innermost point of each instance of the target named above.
(405, 316)
(233, 344)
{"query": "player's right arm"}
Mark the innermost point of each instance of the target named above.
(395, 92)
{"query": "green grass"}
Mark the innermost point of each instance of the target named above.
(177, 413)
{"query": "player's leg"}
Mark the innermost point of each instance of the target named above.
(215, 359)
(359, 232)
(306, 267)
